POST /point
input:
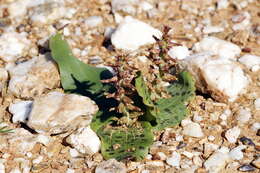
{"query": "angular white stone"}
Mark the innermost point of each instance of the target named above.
(241, 24)
(174, 159)
(244, 115)
(179, 52)
(126, 6)
(222, 4)
(216, 46)
(236, 153)
(216, 162)
(13, 45)
(257, 104)
(232, 134)
(222, 78)
(57, 112)
(85, 141)
(33, 77)
(111, 166)
(21, 111)
(252, 62)
(93, 21)
(212, 29)
(193, 130)
(132, 33)
(255, 126)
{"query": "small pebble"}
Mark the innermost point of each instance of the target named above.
(257, 104)
(193, 130)
(181, 145)
(174, 160)
(246, 168)
(256, 163)
(247, 141)
(236, 153)
(232, 134)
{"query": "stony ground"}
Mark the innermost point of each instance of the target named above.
(221, 133)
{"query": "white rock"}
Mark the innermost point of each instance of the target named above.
(216, 162)
(33, 77)
(188, 154)
(242, 21)
(93, 21)
(37, 160)
(145, 6)
(232, 134)
(212, 29)
(2, 166)
(132, 33)
(252, 62)
(211, 138)
(255, 126)
(216, 46)
(127, 6)
(193, 130)
(236, 153)
(174, 160)
(21, 111)
(222, 78)
(111, 166)
(244, 115)
(73, 152)
(222, 4)
(3, 78)
(54, 113)
(85, 141)
(15, 170)
(179, 52)
(49, 11)
(70, 170)
(13, 45)
(257, 104)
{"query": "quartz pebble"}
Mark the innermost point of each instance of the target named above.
(126, 6)
(85, 141)
(174, 159)
(3, 78)
(236, 153)
(244, 115)
(110, 166)
(33, 77)
(257, 104)
(216, 162)
(222, 78)
(132, 33)
(252, 62)
(193, 130)
(232, 134)
(216, 46)
(13, 45)
(20, 111)
(54, 113)
(179, 52)
(93, 21)
(246, 168)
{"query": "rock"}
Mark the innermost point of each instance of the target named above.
(256, 162)
(252, 62)
(241, 20)
(216, 46)
(216, 162)
(111, 166)
(33, 77)
(85, 141)
(212, 29)
(246, 168)
(132, 33)
(257, 104)
(13, 45)
(232, 134)
(2, 166)
(23, 141)
(174, 160)
(236, 153)
(57, 112)
(93, 21)
(127, 6)
(244, 115)
(179, 52)
(21, 111)
(48, 12)
(193, 130)
(247, 141)
(222, 4)
(255, 126)
(3, 78)
(222, 78)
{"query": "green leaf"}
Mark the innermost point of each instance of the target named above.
(74, 73)
(126, 142)
(5, 129)
(143, 91)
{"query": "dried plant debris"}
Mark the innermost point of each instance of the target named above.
(142, 102)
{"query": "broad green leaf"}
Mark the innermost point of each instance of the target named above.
(126, 143)
(75, 75)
